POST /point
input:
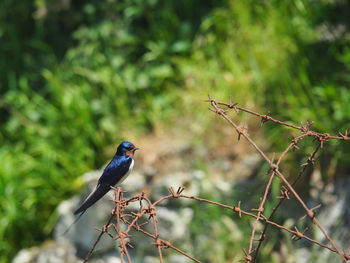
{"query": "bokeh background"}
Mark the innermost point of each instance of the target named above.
(77, 77)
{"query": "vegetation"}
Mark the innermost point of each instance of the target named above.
(77, 76)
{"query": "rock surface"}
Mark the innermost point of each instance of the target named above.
(49, 252)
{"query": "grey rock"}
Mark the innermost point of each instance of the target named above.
(49, 252)
(112, 257)
(172, 224)
(150, 259)
(189, 180)
(83, 233)
(135, 182)
(334, 216)
(303, 255)
(177, 258)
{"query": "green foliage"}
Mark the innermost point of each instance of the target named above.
(77, 78)
(289, 57)
(209, 232)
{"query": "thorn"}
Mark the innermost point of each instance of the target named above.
(299, 235)
(295, 142)
(247, 257)
(240, 131)
(180, 190)
(238, 209)
(264, 118)
(129, 245)
(311, 213)
(344, 136)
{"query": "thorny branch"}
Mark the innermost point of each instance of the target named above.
(274, 168)
(133, 220)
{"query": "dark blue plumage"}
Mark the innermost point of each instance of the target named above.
(115, 170)
(114, 173)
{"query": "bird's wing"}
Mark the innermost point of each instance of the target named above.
(115, 170)
(100, 190)
(112, 174)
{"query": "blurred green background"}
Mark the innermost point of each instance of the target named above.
(76, 76)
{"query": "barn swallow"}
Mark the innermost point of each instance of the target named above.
(115, 173)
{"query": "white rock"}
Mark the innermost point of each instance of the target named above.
(49, 252)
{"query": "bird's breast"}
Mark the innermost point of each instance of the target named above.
(128, 172)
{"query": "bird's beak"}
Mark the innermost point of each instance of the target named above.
(136, 148)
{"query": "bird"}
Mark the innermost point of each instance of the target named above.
(115, 173)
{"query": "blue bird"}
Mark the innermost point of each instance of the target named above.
(115, 173)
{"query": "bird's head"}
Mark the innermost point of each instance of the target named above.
(126, 148)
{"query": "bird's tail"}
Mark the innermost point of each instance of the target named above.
(76, 220)
(100, 190)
